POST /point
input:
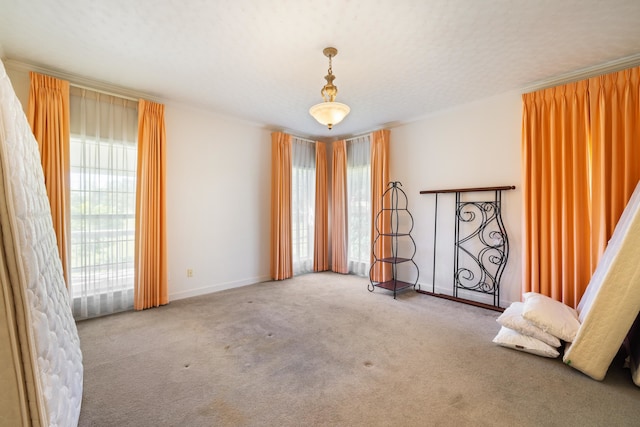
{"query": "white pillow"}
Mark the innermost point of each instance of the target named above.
(551, 316)
(512, 319)
(511, 339)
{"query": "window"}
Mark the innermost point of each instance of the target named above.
(303, 194)
(103, 161)
(359, 204)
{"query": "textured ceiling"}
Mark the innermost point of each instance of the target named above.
(262, 61)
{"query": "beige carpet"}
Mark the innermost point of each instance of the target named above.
(320, 349)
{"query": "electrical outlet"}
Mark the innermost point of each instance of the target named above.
(189, 272)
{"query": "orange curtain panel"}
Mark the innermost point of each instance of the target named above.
(150, 281)
(379, 179)
(556, 232)
(48, 115)
(615, 136)
(339, 238)
(281, 255)
(581, 162)
(321, 226)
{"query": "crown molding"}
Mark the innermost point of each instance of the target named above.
(585, 73)
(110, 89)
(574, 76)
(81, 81)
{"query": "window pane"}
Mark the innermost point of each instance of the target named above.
(103, 158)
(102, 216)
(303, 190)
(359, 204)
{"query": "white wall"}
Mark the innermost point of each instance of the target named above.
(473, 145)
(218, 201)
(20, 82)
(218, 197)
(218, 189)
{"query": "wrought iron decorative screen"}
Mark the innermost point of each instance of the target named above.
(481, 244)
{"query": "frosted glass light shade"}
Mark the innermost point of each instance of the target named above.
(329, 113)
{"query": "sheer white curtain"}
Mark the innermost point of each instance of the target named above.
(303, 195)
(103, 157)
(359, 204)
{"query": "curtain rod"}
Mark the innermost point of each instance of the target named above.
(104, 92)
(75, 81)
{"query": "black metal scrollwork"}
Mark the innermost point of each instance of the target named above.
(481, 246)
(480, 237)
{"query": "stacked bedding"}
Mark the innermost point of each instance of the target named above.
(40, 357)
(537, 325)
(606, 317)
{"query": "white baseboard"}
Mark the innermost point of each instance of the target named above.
(216, 288)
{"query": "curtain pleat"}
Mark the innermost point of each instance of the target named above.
(379, 179)
(556, 234)
(581, 163)
(339, 239)
(321, 236)
(615, 136)
(281, 258)
(150, 282)
(48, 115)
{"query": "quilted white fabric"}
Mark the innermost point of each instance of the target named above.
(611, 301)
(49, 342)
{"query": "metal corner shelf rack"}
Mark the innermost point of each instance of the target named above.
(396, 239)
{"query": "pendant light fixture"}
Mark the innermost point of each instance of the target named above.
(329, 112)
